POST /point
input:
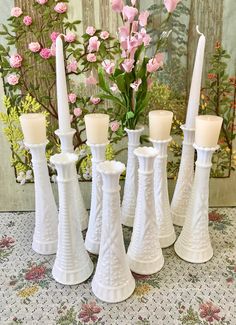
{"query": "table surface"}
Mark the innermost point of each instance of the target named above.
(181, 293)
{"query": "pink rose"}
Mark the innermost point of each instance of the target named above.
(95, 100)
(171, 5)
(42, 2)
(16, 12)
(15, 60)
(34, 47)
(94, 44)
(114, 126)
(129, 13)
(72, 98)
(70, 37)
(53, 49)
(53, 36)
(91, 80)
(45, 53)
(60, 7)
(104, 35)
(72, 66)
(91, 57)
(123, 33)
(27, 20)
(143, 18)
(117, 5)
(90, 30)
(135, 85)
(13, 79)
(155, 63)
(108, 66)
(128, 65)
(77, 111)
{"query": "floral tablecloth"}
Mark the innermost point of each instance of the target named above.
(181, 293)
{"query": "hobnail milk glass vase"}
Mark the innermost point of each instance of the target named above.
(112, 281)
(194, 244)
(144, 252)
(131, 179)
(72, 264)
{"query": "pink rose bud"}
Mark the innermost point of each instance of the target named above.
(72, 66)
(70, 37)
(114, 88)
(15, 61)
(114, 126)
(117, 5)
(13, 79)
(16, 12)
(91, 80)
(53, 36)
(128, 65)
(72, 98)
(146, 38)
(104, 35)
(27, 20)
(143, 18)
(133, 2)
(77, 111)
(171, 5)
(155, 63)
(95, 100)
(108, 66)
(53, 49)
(91, 57)
(34, 47)
(123, 33)
(94, 44)
(129, 13)
(45, 53)
(134, 26)
(60, 7)
(135, 85)
(90, 30)
(42, 2)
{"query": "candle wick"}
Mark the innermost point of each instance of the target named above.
(197, 29)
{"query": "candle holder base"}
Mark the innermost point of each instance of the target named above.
(44, 248)
(146, 267)
(178, 220)
(168, 240)
(193, 255)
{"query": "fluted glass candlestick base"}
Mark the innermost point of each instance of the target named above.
(183, 188)
(46, 214)
(166, 229)
(193, 244)
(93, 235)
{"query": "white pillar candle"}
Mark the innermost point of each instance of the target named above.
(207, 130)
(34, 128)
(160, 124)
(62, 95)
(194, 96)
(97, 128)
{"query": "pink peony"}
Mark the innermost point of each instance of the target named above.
(135, 85)
(60, 7)
(77, 111)
(117, 5)
(94, 44)
(104, 35)
(34, 47)
(13, 79)
(45, 53)
(95, 100)
(155, 63)
(91, 57)
(128, 65)
(91, 80)
(171, 5)
(129, 13)
(42, 2)
(143, 18)
(72, 98)
(72, 66)
(90, 30)
(70, 37)
(108, 66)
(53, 36)
(15, 60)
(114, 126)
(27, 20)
(16, 12)
(53, 49)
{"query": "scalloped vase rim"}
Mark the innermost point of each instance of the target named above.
(63, 158)
(110, 167)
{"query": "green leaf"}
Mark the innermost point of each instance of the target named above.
(101, 80)
(129, 115)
